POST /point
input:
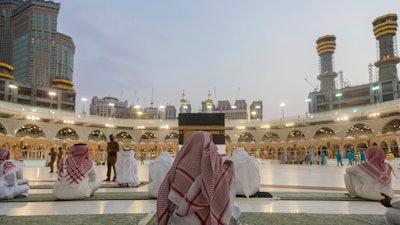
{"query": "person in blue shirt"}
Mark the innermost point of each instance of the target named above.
(362, 157)
(350, 158)
(308, 158)
(322, 158)
(339, 158)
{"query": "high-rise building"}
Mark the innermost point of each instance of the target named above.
(170, 112)
(109, 107)
(386, 88)
(256, 110)
(41, 57)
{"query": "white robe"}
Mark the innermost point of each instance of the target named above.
(11, 185)
(247, 172)
(360, 185)
(64, 190)
(126, 168)
(158, 169)
(392, 214)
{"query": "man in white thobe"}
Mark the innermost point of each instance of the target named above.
(247, 172)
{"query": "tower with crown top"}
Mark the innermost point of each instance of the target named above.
(326, 46)
(385, 28)
(185, 106)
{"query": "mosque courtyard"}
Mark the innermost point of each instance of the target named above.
(301, 182)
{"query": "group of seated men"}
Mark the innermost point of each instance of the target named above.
(199, 186)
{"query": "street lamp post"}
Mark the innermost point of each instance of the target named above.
(139, 113)
(253, 115)
(162, 117)
(283, 111)
(52, 94)
(111, 110)
(13, 87)
(375, 89)
(339, 95)
(83, 104)
(308, 100)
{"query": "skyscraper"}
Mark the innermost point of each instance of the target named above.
(42, 58)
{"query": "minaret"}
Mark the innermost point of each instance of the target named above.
(209, 103)
(184, 105)
(326, 47)
(385, 28)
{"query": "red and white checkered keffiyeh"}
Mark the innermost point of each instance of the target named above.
(376, 169)
(197, 188)
(6, 166)
(76, 166)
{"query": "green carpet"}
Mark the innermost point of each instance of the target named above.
(309, 219)
(47, 197)
(245, 219)
(314, 196)
(104, 185)
(73, 219)
(98, 196)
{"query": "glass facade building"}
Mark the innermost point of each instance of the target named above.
(42, 58)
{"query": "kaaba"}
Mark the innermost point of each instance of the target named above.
(213, 123)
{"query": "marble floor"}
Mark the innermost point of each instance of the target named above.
(274, 177)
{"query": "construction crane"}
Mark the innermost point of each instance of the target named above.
(315, 88)
(237, 95)
(341, 81)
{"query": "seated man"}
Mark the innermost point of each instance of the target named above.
(367, 180)
(76, 175)
(247, 172)
(158, 169)
(392, 214)
(126, 168)
(12, 185)
(198, 188)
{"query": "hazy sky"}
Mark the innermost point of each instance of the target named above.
(143, 50)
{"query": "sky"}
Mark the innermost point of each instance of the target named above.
(145, 51)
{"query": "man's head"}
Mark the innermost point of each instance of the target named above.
(112, 137)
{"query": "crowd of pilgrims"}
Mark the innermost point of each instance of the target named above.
(199, 186)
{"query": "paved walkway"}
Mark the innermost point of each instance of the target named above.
(274, 178)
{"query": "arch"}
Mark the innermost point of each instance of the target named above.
(281, 154)
(393, 146)
(67, 132)
(227, 139)
(3, 129)
(246, 137)
(30, 130)
(324, 132)
(391, 126)
(97, 135)
(300, 154)
(172, 152)
(296, 135)
(384, 146)
(123, 136)
(173, 136)
(358, 130)
(270, 137)
(362, 146)
(348, 148)
(147, 137)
